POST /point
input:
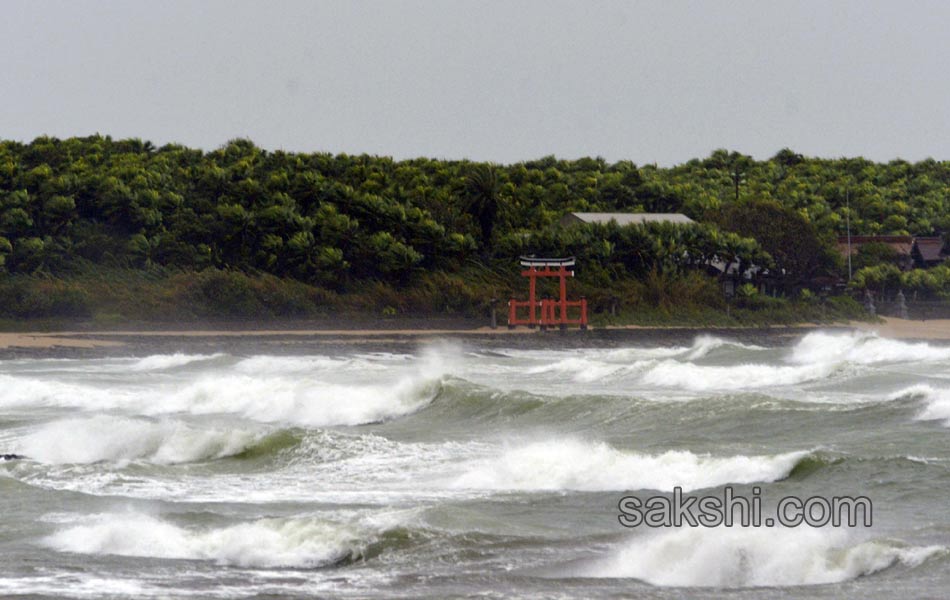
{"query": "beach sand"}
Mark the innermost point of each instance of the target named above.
(106, 340)
(102, 339)
(905, 329)
(51, 340)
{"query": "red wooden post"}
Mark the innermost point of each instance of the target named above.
(531, 287)
(563, 276)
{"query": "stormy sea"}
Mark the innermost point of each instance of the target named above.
(455, 469)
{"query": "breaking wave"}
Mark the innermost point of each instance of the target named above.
(158, 362)
(862, 348)
(23, 391)
(308, 403)
(278, 542)
(306, 399)
(755, 557)
(120, 439)
(303, 364)
(598, 365)
(585, 466)
(937, 402)
(582, 370)
(815, 357)
(693, 377)
(706, 344)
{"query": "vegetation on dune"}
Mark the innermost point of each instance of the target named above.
(96, 227)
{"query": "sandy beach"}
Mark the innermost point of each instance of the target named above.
(103, 339)
(91, 340)
(52, 340)
(905, 329)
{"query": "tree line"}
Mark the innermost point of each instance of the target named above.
(338, 220)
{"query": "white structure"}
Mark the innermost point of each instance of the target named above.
(624, 218)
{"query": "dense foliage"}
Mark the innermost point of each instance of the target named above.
(342, 222)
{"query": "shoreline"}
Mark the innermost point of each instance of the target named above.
(76, 342)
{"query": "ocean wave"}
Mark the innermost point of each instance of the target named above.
(264, 543)
(937, 402)
(736, 557)
(706, 344)
(702, 346)
(105, 438)
(626, 362)
(689, 376)
(863, 348)
(267, 364)
(815, 357)
(158, 362)
(307, 399)
(582, 370)
(19, 391)
(302, 402)
(579, 465)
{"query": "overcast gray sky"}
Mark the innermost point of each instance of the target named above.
(659, 81)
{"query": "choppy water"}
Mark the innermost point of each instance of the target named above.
(454, 471)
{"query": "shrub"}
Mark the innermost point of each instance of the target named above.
(24, 297)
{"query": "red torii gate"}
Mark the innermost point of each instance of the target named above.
(550, 315)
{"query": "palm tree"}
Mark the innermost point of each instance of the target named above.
(482, 196)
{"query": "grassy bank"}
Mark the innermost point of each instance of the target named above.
(113, 297)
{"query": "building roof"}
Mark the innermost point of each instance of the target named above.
(902, 244)
(626, 218)
(930, 248)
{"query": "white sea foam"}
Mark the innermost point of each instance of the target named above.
(623, 363)
(279, 542)
(311, 401)
(297, 397)
(123, 439)
(937, 402)
(582, 370)
(684, 375)
(264, 364)
(18, 391)
(753, 557)
(71, 585)
(626, 355)
(815, 357)
(579, 465)
(157, 362)
(701, 347)
(862, 348)
(302, 402)
(705, 344)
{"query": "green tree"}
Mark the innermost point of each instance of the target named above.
(483, 200)
(786, 235)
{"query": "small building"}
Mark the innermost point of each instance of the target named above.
(576, 218)
(902, 245)
(928, 251)
(909, 251)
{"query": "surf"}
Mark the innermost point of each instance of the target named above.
(739, 557)
(595, 466)
(297, 542)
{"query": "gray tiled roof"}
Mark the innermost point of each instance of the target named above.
(627, 218)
